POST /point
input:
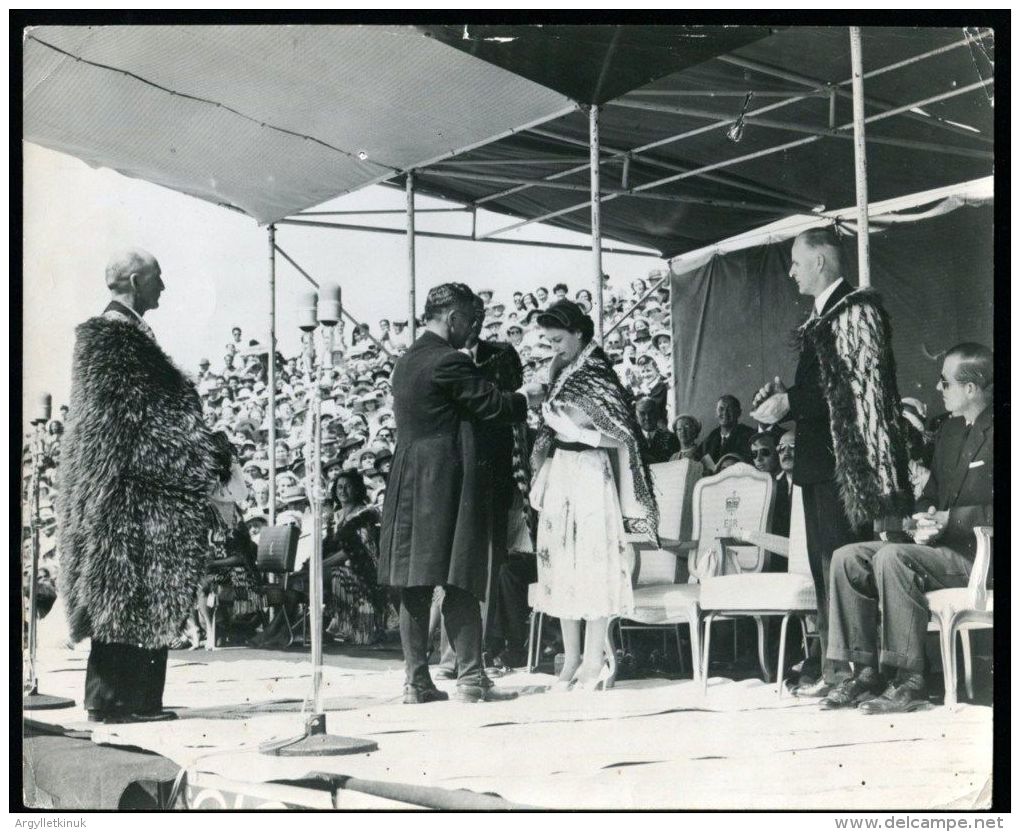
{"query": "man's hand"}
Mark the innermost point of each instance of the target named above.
(930, 526)
(534, 392)
(766, 390)
(773, 409)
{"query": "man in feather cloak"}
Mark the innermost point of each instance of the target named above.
(135, 474)
(851, 461)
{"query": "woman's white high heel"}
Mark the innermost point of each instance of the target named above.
(602, 683)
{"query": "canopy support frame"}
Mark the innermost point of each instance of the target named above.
(860, 161)
(747, 157)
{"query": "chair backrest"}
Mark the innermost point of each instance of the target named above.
(738, 497)
(673, 483)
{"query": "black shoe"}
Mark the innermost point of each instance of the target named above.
(414, 695)
(852, 692)
(482, 693)
(152, 716)
(906, 695)
(109, 717)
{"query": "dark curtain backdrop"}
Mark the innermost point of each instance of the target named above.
(733, 317)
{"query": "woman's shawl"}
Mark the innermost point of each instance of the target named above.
(590, 385)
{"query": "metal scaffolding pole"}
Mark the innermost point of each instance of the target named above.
(412, 320)
(271, 416)
(596, 219)
(860, 159)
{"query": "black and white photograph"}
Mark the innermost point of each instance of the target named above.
(566, 414)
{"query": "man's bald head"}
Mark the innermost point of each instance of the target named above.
(124, 264)
(133, 277)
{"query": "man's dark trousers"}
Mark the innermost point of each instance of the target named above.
(877, 592)
(125, 678)
(827, 529)
(463, 623)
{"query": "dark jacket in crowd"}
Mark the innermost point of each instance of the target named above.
(661, 445)
(738, 442)
(434, 525)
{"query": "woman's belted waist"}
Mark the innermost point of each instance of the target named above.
(560, 445)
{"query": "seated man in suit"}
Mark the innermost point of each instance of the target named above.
(878, 612)
(661, 443)
(784, 483)
(730, 437)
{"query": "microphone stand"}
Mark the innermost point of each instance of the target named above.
(315, 741)
(33, 700)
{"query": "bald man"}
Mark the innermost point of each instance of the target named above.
(136, 472)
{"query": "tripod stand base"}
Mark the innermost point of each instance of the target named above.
(315, 742)
(35, 701)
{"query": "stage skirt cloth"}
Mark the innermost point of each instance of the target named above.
(584, 561)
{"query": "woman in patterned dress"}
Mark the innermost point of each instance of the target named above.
(591, 489)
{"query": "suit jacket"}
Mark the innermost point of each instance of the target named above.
(661, 445)
(435, 526)
(782, 505)
(814, 462)
(499, 364)
(961, 480)
(738, 442)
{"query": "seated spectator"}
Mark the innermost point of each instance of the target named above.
(637, 288)
(543, 296)
(784, 483)
(529, 302)
(662, 345)
(641, 334)
(515, 334)
(358, 606)
(485, 295)
(660, 444)
(519, 301)
(763, 453)
(730, 436)
(687, 430)
(878, 612)
(653, 384)
(560, 291)
(583, 295)
(400, 336)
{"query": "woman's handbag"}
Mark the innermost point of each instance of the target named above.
(277, 549)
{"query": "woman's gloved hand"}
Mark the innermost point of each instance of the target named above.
(567, 430)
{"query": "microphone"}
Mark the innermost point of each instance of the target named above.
(43, 408)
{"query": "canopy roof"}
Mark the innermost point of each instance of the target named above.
(275, 119)
(788, 160)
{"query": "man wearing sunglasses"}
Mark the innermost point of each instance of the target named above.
(878, 613)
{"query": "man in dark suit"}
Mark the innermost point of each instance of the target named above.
(785, 450)
(661, 444)
(499, 364)
(731, 436)
(817, 269)
(878, 612)
(435, 518)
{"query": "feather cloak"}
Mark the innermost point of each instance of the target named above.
(135, 473)
(853, 341)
